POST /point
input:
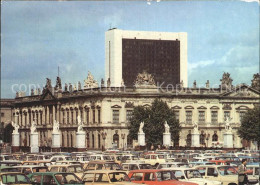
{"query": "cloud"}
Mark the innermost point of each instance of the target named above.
(250, 1)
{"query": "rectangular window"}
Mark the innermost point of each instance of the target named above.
(68, 117)
(87, 112)
(129, 114)
(177, 115)
(189, 117)
(241, 115)
(201, 116)
(226, 115)
(99, 120)
(115, 116)
(93, 116)
(214, 116)
(2, 114)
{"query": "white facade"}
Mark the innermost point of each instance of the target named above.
(113, 51)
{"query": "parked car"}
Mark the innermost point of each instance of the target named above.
(99, 165)
(54, 178)
(154, 159)
(225, 174)
(16, 178)
(136, 166)
(253, 173)
(154, 177)
(192, 175)
(76, 169)
(101, 177)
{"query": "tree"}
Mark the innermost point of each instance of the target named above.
(250, 125)
(154, 118)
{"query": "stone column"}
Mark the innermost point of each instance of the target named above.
(56, 141)
(48, 115)
(58, 113)
(195, 139)
(141, 139)
(167, 139)
(228, 139)
(53, 114)
(43, 116)
(15, 142)
(23, 120)
(39, 117)
(27, 118)
(34, 142)
(65, 115)
(74, 116)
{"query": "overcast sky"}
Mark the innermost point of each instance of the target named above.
(37, 37)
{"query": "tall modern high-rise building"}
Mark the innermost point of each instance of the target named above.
(162, 54)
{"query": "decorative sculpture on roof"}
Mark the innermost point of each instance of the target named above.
(122, 83)
(144, 79)
(70, 87)
(56, 127)
(207, 84)
(58, 83)
(102, 83)
(141, 128)
(32, 92)
(16, 127)
(226, 81)
(66, 87)
(194, 84)
(108, 82)
(48, 83)
(256, 81)
(75, 87)
(79, 85)
(90, 82)
(166, 127)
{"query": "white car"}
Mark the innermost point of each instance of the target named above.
(192, 175)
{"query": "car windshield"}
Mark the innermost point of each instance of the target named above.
(145, 166)
(67, 178)
(165, 176)
(14, 179)
(192, 174)
(118, 177)
(112, 166)
(227, 170)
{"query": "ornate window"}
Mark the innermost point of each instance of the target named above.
(226, 115)
(214, 116)
(201, 116)
(241, 115)
(99, 116)
(93, 115)
(115, 116)
(129, 114)
(189, 116)
(177, 115)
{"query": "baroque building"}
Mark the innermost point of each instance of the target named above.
(106, 111)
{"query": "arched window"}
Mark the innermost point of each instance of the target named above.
(93, 141)
(88, 143)
(116, 139)
(99, 142)
(202, 138)
(129, 142)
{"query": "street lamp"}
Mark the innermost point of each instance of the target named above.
(104, 135)
(123, 137)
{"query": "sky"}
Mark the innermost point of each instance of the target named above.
(39, 36)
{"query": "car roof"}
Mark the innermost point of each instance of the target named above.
(105, 171)
(148, 170)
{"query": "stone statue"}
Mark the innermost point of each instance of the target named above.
(70, 87)
(102, 83)
(17, 94)
(226, 81)
(33, 128)
(228, 127)
(195, 127)
(39, 91)
(75, 87)
(181, 84)
(16, 127)
(207, 84)
(58, 83)
(80, 125)
(194, 84)
(48, 83)
(141, 128)
(108, 82)
(79, 85)
(90, 82)
(256, 81)
(66, 87)
(32, 92)
(166, 127)
(144, 79)
(56, 127)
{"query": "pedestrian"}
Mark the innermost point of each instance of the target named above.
(242, 174)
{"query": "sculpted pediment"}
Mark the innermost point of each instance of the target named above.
(242, 91)
(47, 95)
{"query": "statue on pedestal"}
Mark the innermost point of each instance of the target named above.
(66, 87)
(33, 128)
(56, 127)
(195, 127)
(166, 127)
(16, 127)
(141, 128)
(228, 127)
(80, 125)
(90, 82)
(226, 81)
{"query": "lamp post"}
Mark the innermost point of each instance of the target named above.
(104, 135)
(123, 137)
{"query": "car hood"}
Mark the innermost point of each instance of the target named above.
(202, 181)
